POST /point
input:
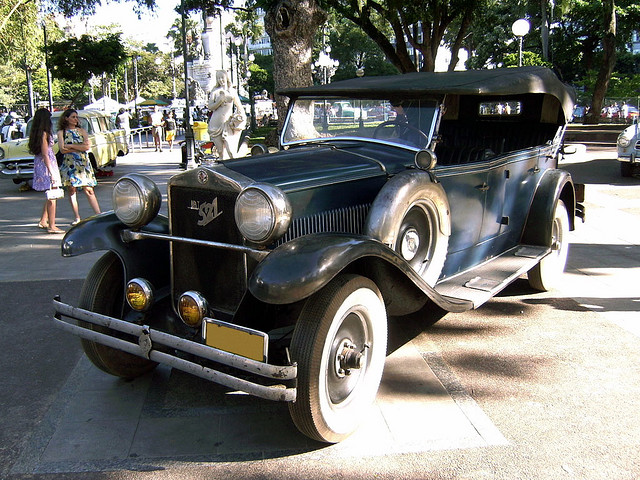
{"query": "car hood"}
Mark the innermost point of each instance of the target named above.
(323, 163)
(18, 147)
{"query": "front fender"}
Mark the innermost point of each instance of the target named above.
(299, 268)
(142, 258)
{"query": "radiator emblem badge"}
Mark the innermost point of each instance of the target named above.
(208, 211)
(203, 176)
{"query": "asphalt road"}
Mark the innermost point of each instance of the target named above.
(529, 386)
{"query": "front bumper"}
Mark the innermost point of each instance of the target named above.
(17, 170)
(145, 339)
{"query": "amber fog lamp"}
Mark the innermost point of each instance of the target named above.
(136, 200)
(192, 308)
(139, 294)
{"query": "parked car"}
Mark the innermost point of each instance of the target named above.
(107, 144)
(276, 274)
(629, 150)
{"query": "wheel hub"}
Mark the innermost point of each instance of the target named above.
(348, 358)
(410, 244)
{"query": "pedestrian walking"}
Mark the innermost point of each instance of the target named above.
(157, 122)
(170, 128)
(76, 170)
(46, 177)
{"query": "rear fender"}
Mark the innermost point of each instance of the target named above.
(555, 185)
(142, 258)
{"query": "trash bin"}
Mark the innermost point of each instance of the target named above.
(200, 131)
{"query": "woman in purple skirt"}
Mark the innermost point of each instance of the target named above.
(46, 176)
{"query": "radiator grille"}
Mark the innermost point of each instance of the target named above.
(341, 220)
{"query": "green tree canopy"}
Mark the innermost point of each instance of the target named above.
(78, 59)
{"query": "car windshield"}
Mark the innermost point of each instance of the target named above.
(408, 122)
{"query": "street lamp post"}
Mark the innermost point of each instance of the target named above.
(188, 130)
(520, 28)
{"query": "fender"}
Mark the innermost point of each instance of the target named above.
(554, 185)
(142, 258)
(299, 268)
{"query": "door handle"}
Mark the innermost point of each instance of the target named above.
(483, 188)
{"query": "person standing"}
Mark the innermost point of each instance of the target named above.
(157, 122)
(124, 122)
(170, 128)
(46, 177)
(76, 170)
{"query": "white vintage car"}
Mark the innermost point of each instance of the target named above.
(107, 143)
(629, 150)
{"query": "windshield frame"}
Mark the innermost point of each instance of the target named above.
(423, 111)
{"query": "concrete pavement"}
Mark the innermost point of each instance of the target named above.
(446, 405)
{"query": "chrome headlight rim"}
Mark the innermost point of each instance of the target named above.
(145, 292)
(136, 200)
(2, 154)
(624, 141)
(198, 305)
(273, 227)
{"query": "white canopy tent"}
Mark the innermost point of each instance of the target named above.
(105, 104)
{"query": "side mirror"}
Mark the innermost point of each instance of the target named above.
(569, 149)
(426, 160)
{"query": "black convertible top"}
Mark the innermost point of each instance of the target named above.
(498, 81)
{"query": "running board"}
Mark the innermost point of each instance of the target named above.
(483, 282)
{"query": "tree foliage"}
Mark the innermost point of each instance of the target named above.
(78, 59)
(398, 27)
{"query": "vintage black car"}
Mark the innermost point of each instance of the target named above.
(275, 274)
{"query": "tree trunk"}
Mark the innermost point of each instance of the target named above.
(292, 25)
(608, 63)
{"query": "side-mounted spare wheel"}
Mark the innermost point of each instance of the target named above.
(340, 346)
(103, 292)
(411, 216)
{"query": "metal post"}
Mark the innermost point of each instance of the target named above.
(46, 66)
(188, 130)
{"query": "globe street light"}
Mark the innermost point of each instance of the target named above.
(520, 28)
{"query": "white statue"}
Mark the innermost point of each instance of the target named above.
(228, 119)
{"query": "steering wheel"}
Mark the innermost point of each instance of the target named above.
(402, 129)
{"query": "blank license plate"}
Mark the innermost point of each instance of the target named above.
(242, 341)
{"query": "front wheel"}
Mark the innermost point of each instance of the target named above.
(103, 292)
(546, 275)
(340, 345)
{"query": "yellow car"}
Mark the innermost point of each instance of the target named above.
(107, 144)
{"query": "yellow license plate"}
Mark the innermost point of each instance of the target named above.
(242, 341)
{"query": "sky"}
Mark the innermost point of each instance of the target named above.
(150, 28)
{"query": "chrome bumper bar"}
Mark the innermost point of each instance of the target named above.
(147, 338)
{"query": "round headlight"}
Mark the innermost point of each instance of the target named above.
(1, 153)
(136, 200)
(192, 308)
(139, 294)
(624, 141)
(263, 213)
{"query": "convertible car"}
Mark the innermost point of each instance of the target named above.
(276, 274)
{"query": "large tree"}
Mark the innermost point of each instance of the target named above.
(78, 59)
(421, 24)
(292, 25)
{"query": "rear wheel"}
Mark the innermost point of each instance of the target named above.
(339, 344)
(103, 292)
(546, 275)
